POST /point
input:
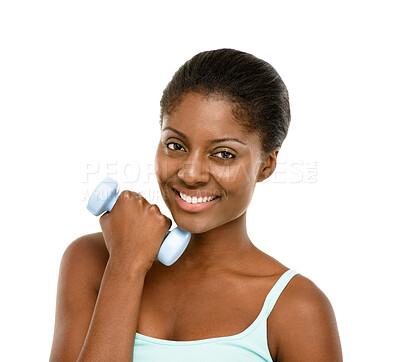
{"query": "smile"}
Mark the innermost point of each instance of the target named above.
(196, 200)
(194, 203)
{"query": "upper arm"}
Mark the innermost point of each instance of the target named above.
(81, 270)
(303, 325)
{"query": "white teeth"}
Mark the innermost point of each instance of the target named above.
(195, 199)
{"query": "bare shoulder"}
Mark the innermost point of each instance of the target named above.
(302, 326)
(81, 271)
(304, 296)
(90, 243)
(87, 253)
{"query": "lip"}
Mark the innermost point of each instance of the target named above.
(193, 207)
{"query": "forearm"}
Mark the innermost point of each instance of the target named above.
(112, 330)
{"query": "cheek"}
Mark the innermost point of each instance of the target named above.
(239, 182)
(159, 165)
(238, 177)
(165, 168)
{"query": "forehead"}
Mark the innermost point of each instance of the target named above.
(210, 117)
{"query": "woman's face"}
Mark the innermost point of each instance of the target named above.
(204, 154)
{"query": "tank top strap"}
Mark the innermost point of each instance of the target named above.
(276, 291)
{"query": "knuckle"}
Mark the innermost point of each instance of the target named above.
(140, 198)
(154, 208)
(166, 221)
(126, 194)
(131, 195)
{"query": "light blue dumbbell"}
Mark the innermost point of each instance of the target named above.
(103, 199)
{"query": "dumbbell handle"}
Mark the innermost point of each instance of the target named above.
(103, 199)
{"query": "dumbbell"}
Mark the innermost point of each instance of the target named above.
(103, 199)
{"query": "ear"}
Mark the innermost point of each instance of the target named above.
(268, 165)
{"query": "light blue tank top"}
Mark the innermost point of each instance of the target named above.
(249, 345)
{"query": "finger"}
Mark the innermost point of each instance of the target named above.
(103, 217)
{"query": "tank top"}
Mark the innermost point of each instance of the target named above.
(249, 345)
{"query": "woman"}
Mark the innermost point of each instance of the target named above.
(224, 116)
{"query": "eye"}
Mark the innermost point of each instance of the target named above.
(225, 155)
(174, 146)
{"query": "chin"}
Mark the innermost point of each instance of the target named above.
(193, 227)
(197, 226)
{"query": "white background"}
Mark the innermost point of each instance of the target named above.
(80, 84)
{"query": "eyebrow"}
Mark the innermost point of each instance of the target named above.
(212, 141)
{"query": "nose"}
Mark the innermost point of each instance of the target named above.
(194, 170)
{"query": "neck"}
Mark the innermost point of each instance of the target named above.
(219, 249)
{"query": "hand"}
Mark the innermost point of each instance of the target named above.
(134, 230)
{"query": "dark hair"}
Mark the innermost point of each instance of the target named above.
(259, 98)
